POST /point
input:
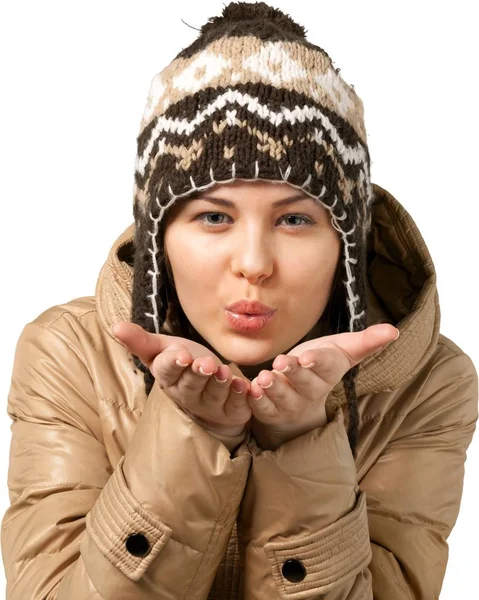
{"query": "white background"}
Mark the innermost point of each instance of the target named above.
(75, 77)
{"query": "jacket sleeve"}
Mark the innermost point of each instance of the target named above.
(308, 529)
(78, 527)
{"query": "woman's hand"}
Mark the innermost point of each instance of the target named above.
(192, 376)
(291, 399)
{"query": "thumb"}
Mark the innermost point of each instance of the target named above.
(359, 345)
(140, 342)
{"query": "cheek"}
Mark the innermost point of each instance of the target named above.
(192, 261)
(313, 266)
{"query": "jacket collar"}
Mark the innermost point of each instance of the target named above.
(401, 290)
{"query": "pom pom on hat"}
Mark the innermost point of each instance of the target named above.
(238, 12)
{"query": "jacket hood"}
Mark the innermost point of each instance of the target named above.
(401, 290)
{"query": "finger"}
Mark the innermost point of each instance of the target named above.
(355, 346)
(283, 393)
(236, 408)
(217, 388)
(284, 363)
(312, 375)
(261, 405)
(168, 366)
(359, 345)
(379, 334)
(142, 343)
(204, 366)
(193, 380)
(223, 375)
(290, 363)
(328, 364)
(227, 394)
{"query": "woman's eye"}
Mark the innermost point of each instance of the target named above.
(203, 216)
(306, 220)
(208, 214)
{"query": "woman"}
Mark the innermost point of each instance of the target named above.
(337, 470)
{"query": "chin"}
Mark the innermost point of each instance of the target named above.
(247, 351)
(247, 360)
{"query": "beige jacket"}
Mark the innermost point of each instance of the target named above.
(119, 496)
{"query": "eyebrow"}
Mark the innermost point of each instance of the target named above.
(228, 203)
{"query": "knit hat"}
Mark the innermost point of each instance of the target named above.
(250, 99)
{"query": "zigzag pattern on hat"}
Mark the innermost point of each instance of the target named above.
(350, 154)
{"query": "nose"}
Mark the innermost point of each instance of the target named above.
(253, 258)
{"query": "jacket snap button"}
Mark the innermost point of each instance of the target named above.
(293, 570)
(137, 544)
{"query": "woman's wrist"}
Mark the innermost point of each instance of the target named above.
(270, 437)
(227, 430)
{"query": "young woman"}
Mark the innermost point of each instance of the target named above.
(234, 413)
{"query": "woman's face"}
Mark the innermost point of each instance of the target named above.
(233, 242)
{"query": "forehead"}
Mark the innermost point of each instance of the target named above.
(241, 191)
(278, 193)
(241, 187)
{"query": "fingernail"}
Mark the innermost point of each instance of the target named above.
(397, 334)
(234, 384)
(221, 380)
(254, 397)
(308, 366)
(204, 372)
(117, 338)
(285, 370)
(265, 387)
(180, 364)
